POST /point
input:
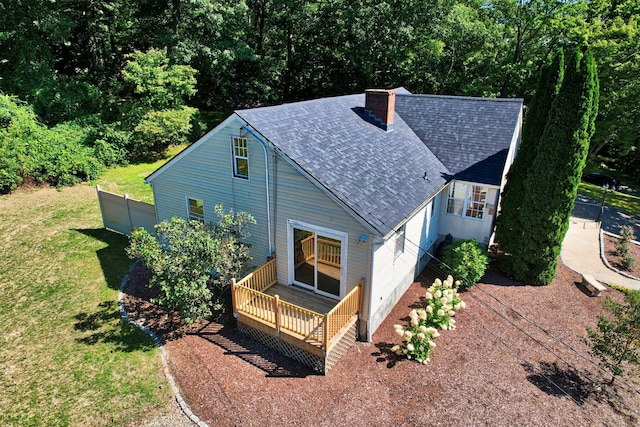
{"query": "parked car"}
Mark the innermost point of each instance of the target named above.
(601, 180)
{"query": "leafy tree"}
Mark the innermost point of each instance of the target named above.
(509, 225)
(468, 261)
(193, 263)
(616, 339)
(159, 117)
(161, 86)
(552, 181)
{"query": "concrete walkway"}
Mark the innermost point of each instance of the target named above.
(581, 253)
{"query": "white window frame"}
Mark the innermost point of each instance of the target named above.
(190, 214)
(333, 234)
(244, 155)
(462, 203)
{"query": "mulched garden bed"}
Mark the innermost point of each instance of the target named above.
(613, 259)
(515, 358)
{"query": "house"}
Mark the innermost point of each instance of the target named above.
(351, 194)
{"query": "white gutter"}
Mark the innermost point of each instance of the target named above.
(266, 176)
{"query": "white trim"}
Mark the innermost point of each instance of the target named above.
(333, 234)
(187, 198)
(234, 157)
(465, 200)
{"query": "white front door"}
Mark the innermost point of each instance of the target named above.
(317, 258)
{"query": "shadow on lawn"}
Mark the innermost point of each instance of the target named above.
(113, 260)
(106, 326)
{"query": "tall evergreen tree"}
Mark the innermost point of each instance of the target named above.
(552, 182)
(509, 225)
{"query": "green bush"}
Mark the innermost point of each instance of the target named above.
(62, 99)
(31, 153)
(468, 261)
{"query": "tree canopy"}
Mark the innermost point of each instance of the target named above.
(71, 59)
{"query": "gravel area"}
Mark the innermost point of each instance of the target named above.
(515, 358)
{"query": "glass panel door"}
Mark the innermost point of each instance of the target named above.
(317, 261)
(304, 243)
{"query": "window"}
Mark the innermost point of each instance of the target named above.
(400, 241)
(457, 194)
(240, 158)
(196, 209)
(467, 200)
(476, 201)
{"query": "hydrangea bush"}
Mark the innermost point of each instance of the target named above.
(442, 302)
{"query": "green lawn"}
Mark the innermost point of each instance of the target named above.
(66, 358)
(626, 202)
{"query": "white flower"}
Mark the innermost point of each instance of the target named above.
(437, 282)
(408, 335)
(435, 333)
(396, 327)
(420, 336)
(438, 293)
(400, 332)
(413, 313)
(422, 315)
(429, 309)
(410, 347)
(463, 304)
(395, 348)
(456, 307)
(452, 321)
(452, 313)
(440, 312)
(432, 343)
(414, 322)
(423, 329)
(428, 296)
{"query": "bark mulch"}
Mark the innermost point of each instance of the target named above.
(515, 358)
(611, 254)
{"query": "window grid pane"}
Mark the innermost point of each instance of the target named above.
(400, 239)
(240, 158)
(196, 210)
(476, 202)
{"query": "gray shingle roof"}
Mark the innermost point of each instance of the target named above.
(471, 136)
(377, 174)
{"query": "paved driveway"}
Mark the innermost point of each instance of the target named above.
(612, 218)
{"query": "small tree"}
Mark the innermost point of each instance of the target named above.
(622, 248)
(616, 340)
(468, 261)
(192, 263)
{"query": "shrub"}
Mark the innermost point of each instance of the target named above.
(442, 302)
(468, 261)
(185, 253)
(616, 341)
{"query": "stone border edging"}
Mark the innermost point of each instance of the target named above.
(183, 405)
(604, 259)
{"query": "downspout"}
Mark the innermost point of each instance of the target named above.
(266, 176)
(370, 305)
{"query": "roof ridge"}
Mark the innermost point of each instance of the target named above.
(458, 97)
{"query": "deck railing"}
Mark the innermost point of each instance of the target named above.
(284, 316)
(328, 251)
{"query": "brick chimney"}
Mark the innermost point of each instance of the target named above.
(380, 105)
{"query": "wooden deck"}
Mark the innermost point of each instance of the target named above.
(303, 298)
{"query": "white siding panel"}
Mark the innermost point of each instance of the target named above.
(392, 276)
(206, 173)
(296, 198)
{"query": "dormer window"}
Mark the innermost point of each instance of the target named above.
(240, 157)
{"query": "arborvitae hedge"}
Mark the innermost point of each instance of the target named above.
(551, 185)
(509, 225)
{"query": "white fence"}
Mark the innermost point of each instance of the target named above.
(122, 214)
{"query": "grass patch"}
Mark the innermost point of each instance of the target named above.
(66, 357)
(130, 179)
(626, 202)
